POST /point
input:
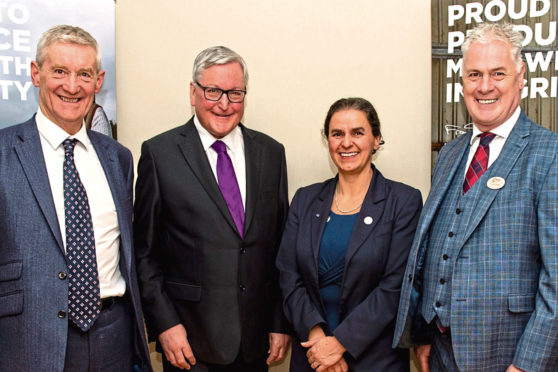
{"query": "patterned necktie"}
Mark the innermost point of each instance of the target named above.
(229, 185)
(479, 164)
(84, 301)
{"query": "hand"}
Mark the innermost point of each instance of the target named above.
(323, 352)
(423, 353)
(512, 368)
(316, 332)
(340, 366)
(175, 345)
(278, 345)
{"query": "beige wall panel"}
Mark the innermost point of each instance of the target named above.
(302, 56)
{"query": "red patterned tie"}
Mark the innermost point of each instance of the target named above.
(479, 164)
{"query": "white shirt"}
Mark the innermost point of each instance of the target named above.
(235, 148)
(502, 133)
(103, 211)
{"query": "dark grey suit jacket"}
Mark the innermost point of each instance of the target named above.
(33, 331)
(193, 266)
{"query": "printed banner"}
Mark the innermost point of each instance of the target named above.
(451, 19)
(21, 24)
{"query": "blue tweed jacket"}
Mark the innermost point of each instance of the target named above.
(504, 302)
(32, 334)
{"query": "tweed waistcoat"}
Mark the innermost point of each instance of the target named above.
(442, 251)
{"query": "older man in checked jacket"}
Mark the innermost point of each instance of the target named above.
(481, 287)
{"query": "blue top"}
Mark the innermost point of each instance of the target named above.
(331, 262)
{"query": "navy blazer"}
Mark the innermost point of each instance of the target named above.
(504, 301)
(33, 331)
(374, 266)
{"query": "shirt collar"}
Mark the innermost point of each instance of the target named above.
(502, 130)
(233, 140)
(54, 135)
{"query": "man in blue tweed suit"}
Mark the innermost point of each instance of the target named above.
(481, 286)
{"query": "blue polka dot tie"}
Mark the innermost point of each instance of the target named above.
(84, 301)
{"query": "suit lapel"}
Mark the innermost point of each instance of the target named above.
(319, 217)
(446, 167)
(30, 154)
(445, 171)
(108, 157)
(514, 146)
(253, 155)
(369, 215)
(192, 149)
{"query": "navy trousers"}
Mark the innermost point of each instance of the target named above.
(108, 346)
(442, 358)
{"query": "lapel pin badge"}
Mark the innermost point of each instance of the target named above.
(368, 220)
(495, 183)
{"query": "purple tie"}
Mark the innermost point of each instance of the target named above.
(229, 185)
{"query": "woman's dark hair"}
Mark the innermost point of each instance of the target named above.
(355, 103)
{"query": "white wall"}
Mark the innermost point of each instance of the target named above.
(302, 55)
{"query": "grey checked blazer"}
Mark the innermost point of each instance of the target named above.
(504, 303)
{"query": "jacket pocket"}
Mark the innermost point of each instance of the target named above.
(10, 271)
(186, 292)
(521, 303)
(11, 295)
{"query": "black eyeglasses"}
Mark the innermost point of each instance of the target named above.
(215, 94)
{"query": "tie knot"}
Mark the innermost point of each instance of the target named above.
(219, 146)
(486, 138)
(69, 144)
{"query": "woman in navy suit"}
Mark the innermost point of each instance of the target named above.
(343, 253)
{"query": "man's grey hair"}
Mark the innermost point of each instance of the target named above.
(217, 55)
(69, 35)
(486, 32)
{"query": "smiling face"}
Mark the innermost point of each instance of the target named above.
(218, 117)
(67, 81)
(351, 142)
(491, 102)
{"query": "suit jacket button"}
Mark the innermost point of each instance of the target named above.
(62, 275)
(438, 304)
(242, 288)
(61, 314)
(242, 250)
(450, 234)
(410, 277)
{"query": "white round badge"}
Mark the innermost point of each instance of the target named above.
(495, 183)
